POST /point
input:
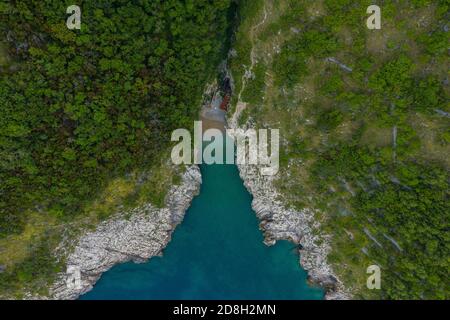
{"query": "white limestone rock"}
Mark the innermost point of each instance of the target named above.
(144, 235)
(281, 223)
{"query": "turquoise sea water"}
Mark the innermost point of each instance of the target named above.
(215, 253)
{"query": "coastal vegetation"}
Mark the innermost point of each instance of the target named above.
(364, 119)
(86, 116)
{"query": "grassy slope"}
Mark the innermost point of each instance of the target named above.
(323, 110)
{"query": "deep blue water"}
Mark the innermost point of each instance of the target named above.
(217, 252)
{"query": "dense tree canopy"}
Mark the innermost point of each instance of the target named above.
(77, 106)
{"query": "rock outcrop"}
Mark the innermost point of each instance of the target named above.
(278, 222)
(143, 235)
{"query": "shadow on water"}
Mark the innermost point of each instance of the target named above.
(217, 252)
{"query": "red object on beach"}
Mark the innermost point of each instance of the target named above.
(225, 102)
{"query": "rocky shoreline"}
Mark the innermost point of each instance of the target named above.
(300, 227)
(143, 235)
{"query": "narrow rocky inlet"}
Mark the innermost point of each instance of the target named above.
(217, 252)
(211, 254)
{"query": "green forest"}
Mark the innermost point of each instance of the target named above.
(364, 116)
(81, 107)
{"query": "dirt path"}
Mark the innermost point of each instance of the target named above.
(240, 106)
